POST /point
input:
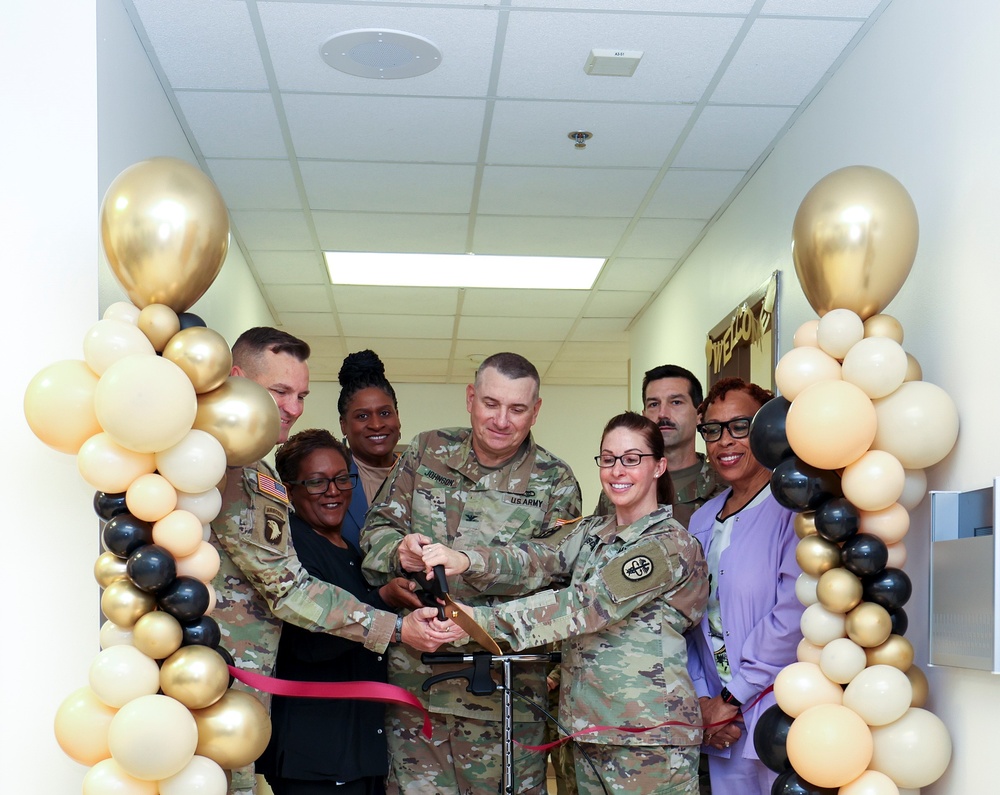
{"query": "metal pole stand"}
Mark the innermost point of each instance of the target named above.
(481, 683)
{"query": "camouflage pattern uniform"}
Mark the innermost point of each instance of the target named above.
(261, 583)
(635, 590)
(438, 488)
(687, 500)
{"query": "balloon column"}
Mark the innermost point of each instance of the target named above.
(153, 435)
(848, 446)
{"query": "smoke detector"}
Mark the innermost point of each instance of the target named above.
(382, 54)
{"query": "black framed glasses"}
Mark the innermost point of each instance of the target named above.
(738, 427)
(320, 485)
(606, 460)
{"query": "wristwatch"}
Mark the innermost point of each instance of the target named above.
(399, 629)
(729, 698)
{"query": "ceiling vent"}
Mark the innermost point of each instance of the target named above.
(612, 63)
(382, 54)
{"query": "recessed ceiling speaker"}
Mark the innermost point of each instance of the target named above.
(382, 54)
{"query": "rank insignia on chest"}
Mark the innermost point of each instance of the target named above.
(637, 568)
(272, 488)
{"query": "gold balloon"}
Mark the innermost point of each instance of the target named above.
(805, 524)
(159, 323)
(853, 240)
(203, 355)
(914, 372)
(920, 686)
(157, 635)
(124, 604)
(896, 651)
(165, 231)
(109, 568)
(815, 555)
(197, 676)
(234, 731)
(884, 326)
(839, 590)
(243, 416)
(868, 625)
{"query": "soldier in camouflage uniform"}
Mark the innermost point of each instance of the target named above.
(488, 485)
(260, 581)
(639, 582)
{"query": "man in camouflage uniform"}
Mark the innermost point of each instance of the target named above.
(488, 485)
(260, 581)
(670, 397)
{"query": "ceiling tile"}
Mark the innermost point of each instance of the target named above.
(601, 330)
(523, 303)
(586, 370)
(297, 298)
(388, 187)
(325, 347)
(397, 368)
(402, 347)
(692, 194)
(566, 237)
(665, 6)
(433, 234)
(256, 184)
(308, 323)
(666, 238)
(594, 352)
(233, 125)
(277, 230)
(586, 192)
(379, 326)
(828, 8)
(289, 267)
(643, 275)
(532, 350)
(492, 328)
(731, 137)
(396, 300)
(614, 303)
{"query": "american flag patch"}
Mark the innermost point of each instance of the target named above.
(268, 485)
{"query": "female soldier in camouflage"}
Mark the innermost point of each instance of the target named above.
(638, 582)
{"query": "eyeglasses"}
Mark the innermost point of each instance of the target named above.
(738, 428)
(320, 485)
(606, 460)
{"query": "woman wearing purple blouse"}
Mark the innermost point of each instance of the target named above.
(751, 629)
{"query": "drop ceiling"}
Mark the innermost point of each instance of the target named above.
(474, 156)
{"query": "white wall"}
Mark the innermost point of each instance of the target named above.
(915, 99)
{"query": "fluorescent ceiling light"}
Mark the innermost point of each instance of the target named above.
(462, 270)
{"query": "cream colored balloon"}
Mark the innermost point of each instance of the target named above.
(805, 335)
(839, 330)
(145, 403)
(820, 626)
(829, 745)
(830, 424)
(890, 524)
(802, 367)
(842, 660)
(195, 464)
(913, 751)
(871, 782)
(81, 726)
(109, 341)
(877, 365)
(838, 590)
(914, 488)
(914, 372)
(150, 497)
(879, 694)
(201, 776)
(874, 481)
(808, 652)
(204, 504)
(159, 323)
(120, 674)
(59, 405)
(107, 777)
(202, 564)
(109, 467)
(896, 555)
(896, 651)
(884, 326)
(157, 634)
(153, 737)
(212, 599)
(918, 423)
(802, 685)
(113, 635)
(203, 354)
(179, 532)
(805, 589)
(122, 310)
(868, 625)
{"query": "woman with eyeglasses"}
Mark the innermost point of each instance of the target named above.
(751, 629)
(637, 582)
(320, 745)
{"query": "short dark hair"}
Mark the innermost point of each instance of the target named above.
(291, 454)
(650, 431)
(510, 365)
(253, 342)
(673, 371)
(362, 370)
(724, 386)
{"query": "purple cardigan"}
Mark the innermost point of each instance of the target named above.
(760, 610)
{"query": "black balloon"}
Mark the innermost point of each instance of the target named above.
(189, 319)
(770, 736)
(108, 506)
(790, 783)
(151, 568)
(229, 661)
(203, 632)
(890, 588)
(837, 520)
(864, 555)
(900, 621)
(186, 599)
(768, 442)
(801, 487)
(124, 534)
